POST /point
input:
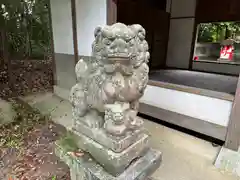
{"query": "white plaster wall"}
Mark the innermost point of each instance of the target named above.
(90, 14)
(179, 42)
(209, 109)
(62, 26)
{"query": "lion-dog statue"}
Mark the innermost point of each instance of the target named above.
(110, 84)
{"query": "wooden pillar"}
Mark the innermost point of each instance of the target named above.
(111, 12)
(74, 29)
(52, 45)
(181, 33)
(233, 130)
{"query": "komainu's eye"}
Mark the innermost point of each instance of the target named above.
(107, 41)
(133, 57)
(131, 42)
(127, 38)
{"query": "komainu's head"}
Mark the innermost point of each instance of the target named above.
(121, 42)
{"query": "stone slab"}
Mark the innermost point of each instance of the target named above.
(228, 161)
(85, 168)
(62, 92)
(113, 162)
(38, 97)
(7, 113)
(115, 144)
(47, 108)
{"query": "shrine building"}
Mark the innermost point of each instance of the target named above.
(191, 86)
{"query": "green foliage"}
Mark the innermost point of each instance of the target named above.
(26, 27)
(215, 32)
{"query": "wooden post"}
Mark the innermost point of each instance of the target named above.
(2, 49)
(74, 29)
(194, 38)
(52, 45)
(111, 12)
(233, 131)
(4, 45)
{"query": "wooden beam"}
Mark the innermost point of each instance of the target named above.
(74, 29)
(233, 131)
(111, 12)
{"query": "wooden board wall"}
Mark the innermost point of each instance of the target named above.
(218, 10)
(156, 24)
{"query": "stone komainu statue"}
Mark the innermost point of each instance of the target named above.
(117, 75)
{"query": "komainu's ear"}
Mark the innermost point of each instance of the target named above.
(97, 31)
(139, 30)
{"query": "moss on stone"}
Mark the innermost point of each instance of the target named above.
(68, 142)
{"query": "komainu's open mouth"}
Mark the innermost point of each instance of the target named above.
(124, 59)
(120, 55)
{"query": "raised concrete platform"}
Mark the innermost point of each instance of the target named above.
(228, 161)
(185, 157)
(208, 81)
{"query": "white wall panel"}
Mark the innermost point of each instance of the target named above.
(90, 14)
(62, 26)
(209, 109)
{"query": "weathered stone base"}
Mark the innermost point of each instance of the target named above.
(228, 161)
(115, 144)
(113, 162)
(86, 168)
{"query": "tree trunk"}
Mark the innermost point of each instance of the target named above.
(4, 49)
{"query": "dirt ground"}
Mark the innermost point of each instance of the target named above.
(35, 160)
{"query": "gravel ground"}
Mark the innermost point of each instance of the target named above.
(27, 148)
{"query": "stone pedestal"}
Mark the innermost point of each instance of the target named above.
(228, 161)
(126, 158)
(106, 129)
(86, 168)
